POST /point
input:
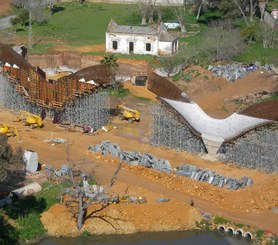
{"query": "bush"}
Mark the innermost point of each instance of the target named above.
(220, 220)
(249, 33)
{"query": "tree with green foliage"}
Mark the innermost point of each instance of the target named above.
(6, 154)
(21, 18)
(35, 9)
(8, 158)
(268, 35)
(111, 62)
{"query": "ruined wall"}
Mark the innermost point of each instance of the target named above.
(74, 60)
(79, 61)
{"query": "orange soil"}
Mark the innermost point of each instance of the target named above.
(211, 93)
(250, 205)
(5, 7)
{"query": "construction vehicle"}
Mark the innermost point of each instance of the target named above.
(129, 114)
(29, 119)
(8, 130)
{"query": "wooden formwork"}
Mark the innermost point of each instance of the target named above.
(45, 93)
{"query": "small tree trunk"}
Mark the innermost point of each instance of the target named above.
(183, 30)
(159, 16)
(251, 10)
(240, 9)
(262, 5)
(81, 211)
(151, 18)
(30, 34)
(143, 20)
(199, 11)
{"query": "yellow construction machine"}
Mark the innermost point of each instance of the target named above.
(8, 130)
(129, 114)
(29, 119)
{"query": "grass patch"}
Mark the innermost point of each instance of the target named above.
(86, 234)
(41, 48)
(223, 108)
(122, 92)
(25, 214)
(256, 52)
(83, 24)
(142, 98)
(220, 220)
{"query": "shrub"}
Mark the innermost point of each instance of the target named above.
(220, 220)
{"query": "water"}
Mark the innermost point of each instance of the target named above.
(161, 238)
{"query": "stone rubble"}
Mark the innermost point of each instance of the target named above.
(150, 161)
(239, 70)
(213, 178)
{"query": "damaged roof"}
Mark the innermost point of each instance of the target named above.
(160, 31)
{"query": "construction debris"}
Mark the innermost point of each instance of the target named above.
(250, 98)
(239, 70)
(213, 178)
(150, 161)
(161, 199)
(132, 158)
(55, 141)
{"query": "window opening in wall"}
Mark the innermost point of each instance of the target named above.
(115, 45)
(148, 47)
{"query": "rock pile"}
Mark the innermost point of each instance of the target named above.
(132, 157)
(213, 178)
(150, 161)
(239, 70)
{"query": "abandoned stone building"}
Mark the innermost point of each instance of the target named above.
(140, 40)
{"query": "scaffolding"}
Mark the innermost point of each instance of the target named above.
(168, 131)
(90, 109)
(257, 149)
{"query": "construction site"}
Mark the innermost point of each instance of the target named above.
(183, 146)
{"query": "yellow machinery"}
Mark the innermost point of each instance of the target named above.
(129, 114)
(8, 130)
(29, 119)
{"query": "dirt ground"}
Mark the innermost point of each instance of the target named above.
(251, 205)
(212, 92)
(5, 7)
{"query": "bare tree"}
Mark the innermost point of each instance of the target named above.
(143, 8)
(251, 10)
(180, 12)
(199, 3)
(262, 6)
(151, 8)
(79, 196)
(242, 12)
(269, 35)
(221, 42)
(170, 63)
(159, 15)
(84, 197)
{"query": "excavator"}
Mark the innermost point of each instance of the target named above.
(8, 130)
(29, 119)
(129, 114)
